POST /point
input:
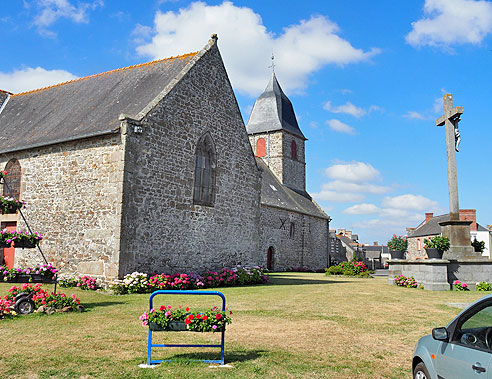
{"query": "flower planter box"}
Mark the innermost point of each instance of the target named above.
(24, 278)
(24, 244)
(5, 244)
(397, 254)
(10, 210)
(434, 253)
(177, 326)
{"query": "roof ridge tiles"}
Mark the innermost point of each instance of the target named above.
(183, 56)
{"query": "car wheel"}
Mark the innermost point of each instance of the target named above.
(420, 372)
(24, 306)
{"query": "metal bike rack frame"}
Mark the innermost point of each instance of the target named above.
(150, 345)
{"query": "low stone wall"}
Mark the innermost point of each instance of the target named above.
(439, 274)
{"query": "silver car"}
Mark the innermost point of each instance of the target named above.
(461, 350)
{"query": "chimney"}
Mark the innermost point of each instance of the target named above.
(429, 216)
(4, 98)
(348, 234)
(469, 215)
(341, 231)
(375, 243)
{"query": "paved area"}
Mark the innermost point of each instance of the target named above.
(380, 272)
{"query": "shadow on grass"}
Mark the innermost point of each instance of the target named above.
(89, 306)
(229, 356)
(286, 279)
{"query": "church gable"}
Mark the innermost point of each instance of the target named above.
(181, 231)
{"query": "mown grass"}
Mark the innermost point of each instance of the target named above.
(302, 325)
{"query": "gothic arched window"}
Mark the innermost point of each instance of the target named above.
(260, 147)
(13, 178)
(294, 149)
(205, 166)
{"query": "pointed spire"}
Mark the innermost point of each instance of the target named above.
(273, 111)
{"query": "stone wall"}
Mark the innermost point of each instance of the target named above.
(305, 247)
(73, 192)
(412, 249)
(163, 231)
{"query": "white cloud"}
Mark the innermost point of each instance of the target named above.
(362, 209)
(448, 22)
(299, 50)
(31, 78)
(415, 115)
(52, 10)
(355, 172)
(410, 202)
(340, 127)
(337, 197)
(343, 186)
(347, 108)
(438, 105)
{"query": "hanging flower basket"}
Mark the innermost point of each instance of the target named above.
(25, 240)
(176, 326)
(8, 205)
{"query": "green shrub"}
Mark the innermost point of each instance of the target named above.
(352, 268)
(479, 246)
(483, 286)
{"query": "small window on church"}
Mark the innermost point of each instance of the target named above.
(294, 149)
(292, 230)
(13, 177)
(260, 147)
(205, 164)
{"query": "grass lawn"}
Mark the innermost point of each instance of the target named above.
(300, 325)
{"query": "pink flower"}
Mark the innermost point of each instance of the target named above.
(144, 323)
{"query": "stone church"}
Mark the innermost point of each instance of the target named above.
(150, 168)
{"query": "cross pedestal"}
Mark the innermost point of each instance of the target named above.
(457, 231)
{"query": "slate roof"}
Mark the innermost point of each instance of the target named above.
(375, 248)
(275, 194)
(84, 107)
(273, 111)
(432, 227)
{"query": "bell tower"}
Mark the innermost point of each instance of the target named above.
(276, 137)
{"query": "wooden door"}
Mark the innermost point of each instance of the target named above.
(9, 252)
(270, 258)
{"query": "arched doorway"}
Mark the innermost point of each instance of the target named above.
(270, 258)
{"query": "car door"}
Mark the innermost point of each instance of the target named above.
(469, 350)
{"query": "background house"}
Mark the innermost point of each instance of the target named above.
(430, 227)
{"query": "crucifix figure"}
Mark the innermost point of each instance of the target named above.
(450, 119)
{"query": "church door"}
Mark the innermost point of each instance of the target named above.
(270, 258)
(9, 253)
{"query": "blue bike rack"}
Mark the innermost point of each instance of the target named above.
(150, 345)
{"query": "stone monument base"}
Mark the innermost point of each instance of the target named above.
(439, 274)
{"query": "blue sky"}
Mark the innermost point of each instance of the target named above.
(366, 79)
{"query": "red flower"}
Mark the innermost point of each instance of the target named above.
(204, 318)
(162, 307)
(187, 321)
(219, 316)
(198, 315)
(187, 309)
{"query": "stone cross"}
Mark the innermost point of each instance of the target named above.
(451, 118)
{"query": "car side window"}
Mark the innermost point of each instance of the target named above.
(475, 329)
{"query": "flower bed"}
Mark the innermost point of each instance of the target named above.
(174, 319)
(138, 282)
(460, 286)
(352, 268)
(403, 281)
(5, 310)
(50, 302)
(45, 273)
(83, 282)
